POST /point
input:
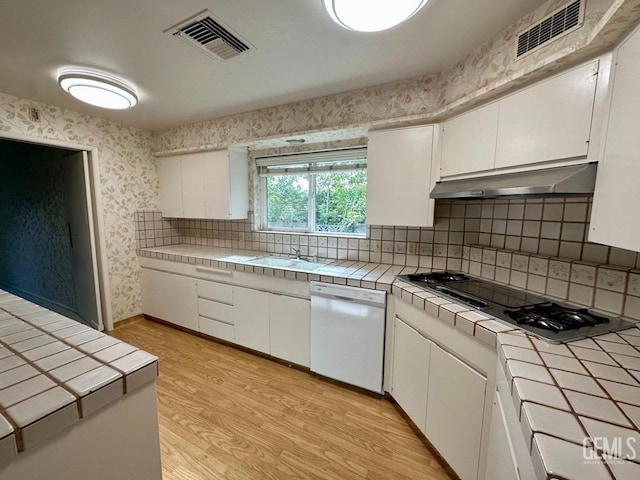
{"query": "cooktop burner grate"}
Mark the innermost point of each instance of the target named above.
(555, 317)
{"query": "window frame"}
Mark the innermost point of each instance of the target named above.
(311, 172)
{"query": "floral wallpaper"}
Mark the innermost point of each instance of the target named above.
(484, 73)
(36, 253)
(128, 182)
(364, 106)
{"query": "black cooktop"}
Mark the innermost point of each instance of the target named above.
(531, 313)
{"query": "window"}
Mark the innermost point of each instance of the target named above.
(315, 192)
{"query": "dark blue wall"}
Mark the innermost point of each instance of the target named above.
(35, 254)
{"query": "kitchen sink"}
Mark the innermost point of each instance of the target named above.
(289, 263)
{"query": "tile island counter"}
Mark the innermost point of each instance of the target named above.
(74, 403)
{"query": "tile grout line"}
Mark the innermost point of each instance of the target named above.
(577, 416)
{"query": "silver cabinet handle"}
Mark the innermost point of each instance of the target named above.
(214, 271)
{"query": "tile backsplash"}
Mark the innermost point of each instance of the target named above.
(538, 244)
(611, 288)
(553, 226)
(439, 247)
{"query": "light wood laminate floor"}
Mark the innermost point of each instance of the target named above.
(227, 414)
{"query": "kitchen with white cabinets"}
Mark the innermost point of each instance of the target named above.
(197, 262)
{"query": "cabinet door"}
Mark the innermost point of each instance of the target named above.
(455, 406)
(501, 460)
(617, 196)
(169, 297)
(399, 177)
(289, 319)
(251, 312)
(469, 141)
(410, 371)
(170, 178)
(193, 186)
(549, 121)
(238, 183)
(216, 177)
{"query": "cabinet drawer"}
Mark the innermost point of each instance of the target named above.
(215, 310)
(219, 292)
(217, 329)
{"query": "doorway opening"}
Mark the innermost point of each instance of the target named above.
(51, 248)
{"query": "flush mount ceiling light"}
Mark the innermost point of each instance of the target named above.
(98, 89)
(371, 15)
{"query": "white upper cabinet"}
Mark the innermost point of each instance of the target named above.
(400, 175)
(550, 120)
(617, 195)
(170, 178)
(469, 141)
(211, 185)
(193, 186)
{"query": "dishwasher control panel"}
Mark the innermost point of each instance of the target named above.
(346, 292)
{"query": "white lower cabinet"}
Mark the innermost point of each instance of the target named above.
(508, 454)
(272, 323)
(455, 407)
(216, 309)
(266, 322)
(501, 462)
(289, 323)
(442, 395)
(169, 297)
(410, 372)
(252, 318)
(277, 324)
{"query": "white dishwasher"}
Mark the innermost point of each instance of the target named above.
(347, 334)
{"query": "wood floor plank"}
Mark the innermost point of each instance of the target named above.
(229, 415)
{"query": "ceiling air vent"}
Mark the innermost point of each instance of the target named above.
(209, 36)
(552, 27)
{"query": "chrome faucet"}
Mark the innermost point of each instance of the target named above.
(297, 252)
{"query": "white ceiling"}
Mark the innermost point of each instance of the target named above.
(300, 53)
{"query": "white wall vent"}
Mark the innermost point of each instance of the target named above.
(210, 36)
(553, 26)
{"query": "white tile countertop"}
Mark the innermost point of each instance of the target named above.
(575, 399)
(345, 272)
(579, 403)
(54, 372)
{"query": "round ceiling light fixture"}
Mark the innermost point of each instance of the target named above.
(98, 89)
(371, 15)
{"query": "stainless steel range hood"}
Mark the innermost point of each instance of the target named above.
(569, 180)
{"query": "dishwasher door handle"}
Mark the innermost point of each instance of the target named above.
(346, 299)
